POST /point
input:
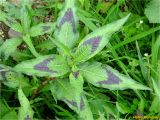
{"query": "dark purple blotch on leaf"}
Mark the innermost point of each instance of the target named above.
(43, 66)
(111, 79)
(75, 74)
(68, 17)
(73, 103)
(27, 118)
(94, 42)
(81, 104)
(45, 28)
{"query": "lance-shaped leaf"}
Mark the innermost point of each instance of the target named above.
(9, 47)
(66, 31)
(98, 39)
(25, 111)
(41, 29)
(76, 80)
(63, 90)
(11, 78)
(108, 78)
(25, 19)
(49, 65)
(13, 24)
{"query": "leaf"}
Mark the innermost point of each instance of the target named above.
(63, 49)
(98, 39)
(11, 78)
(9, 46)
(11, 115)
(108, 77)
(4, 108)
(25, 19)
(41, 29)
(25, 111)
(64, 91)
(76, 80)
(66, 31)
(81, 54)
(49, 65)
(13, 24)
(14, 34)
(152, 11)
(15, 80)
(28, 41)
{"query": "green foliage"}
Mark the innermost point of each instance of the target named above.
(77, 60)
(152, 11)
(25, 111)
(9, 47)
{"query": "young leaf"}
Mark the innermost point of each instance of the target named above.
(98, 39)
(13, 24)
(109, 78)
(81, 54)
(49, 65)
(41, 29)
(25, 19)
(62, 48)
(66, 32)
(25, 111)
(64, 91)
(9, 46)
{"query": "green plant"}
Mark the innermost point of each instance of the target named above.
(24, 30)
(70, 67)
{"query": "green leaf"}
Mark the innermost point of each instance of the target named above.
(15, 80)
(13, 24)
(81, 54)
(64, 91)
(76, 80)
(66, 31)
(25, 19)
(9, 46)
(11, 115)
(63, 49)
(11, 78)
(25, 111)
(49, 65)
(4, 108)
(108, 77)
(28, 41)
(98, 39)
(41, 29)
(152, 11)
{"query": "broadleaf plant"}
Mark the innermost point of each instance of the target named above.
(24, 29)
(71, 66)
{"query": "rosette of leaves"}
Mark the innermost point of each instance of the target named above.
(22, 28)
(72, 67)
